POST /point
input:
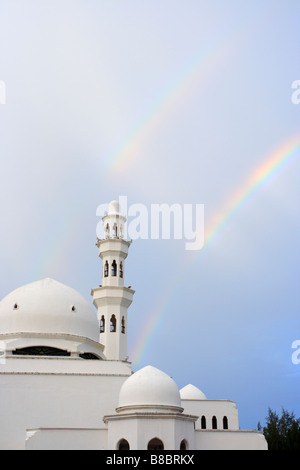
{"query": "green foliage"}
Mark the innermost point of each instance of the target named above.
(282, 433)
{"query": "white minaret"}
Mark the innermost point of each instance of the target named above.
(112, 299)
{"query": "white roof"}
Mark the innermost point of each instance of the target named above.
(48, 307)
(151, 387)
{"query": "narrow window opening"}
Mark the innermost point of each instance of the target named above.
(123, 325)
(121, 269)
(203, 422)
(114, 268)
(106, 269)
(102, 324)
(16, 306)
(225, 422)
(214, 423)
(113, 324)
(115, 231)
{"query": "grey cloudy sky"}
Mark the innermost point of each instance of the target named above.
(162, 102)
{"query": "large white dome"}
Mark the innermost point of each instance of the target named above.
(149, 387)
(48, 307)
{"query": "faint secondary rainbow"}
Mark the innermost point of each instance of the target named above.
(270, 167)
(180, 88)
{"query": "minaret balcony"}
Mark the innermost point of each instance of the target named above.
(112, 295)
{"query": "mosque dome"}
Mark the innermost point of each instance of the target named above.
(149, 387)
(190, 392)
(48, 307)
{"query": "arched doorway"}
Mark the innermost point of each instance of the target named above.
(155, 444)
(184, 445)
(123, 445)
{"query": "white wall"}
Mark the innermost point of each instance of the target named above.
(66, 439)
(210, 408)
(70, 398)
(230, 440)
(139, 430)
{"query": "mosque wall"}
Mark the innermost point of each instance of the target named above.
(209, 409)
(53, 401)
(230, 440)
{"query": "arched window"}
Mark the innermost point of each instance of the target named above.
(155, 444)
(123, 325)
(214, 423)
(225, 422)
(183, 444)
(121, 269)
(203, 422)
(107, 231)
(114, 268)
(123, 445)
(41, 351)
(115, 231)
(102, 324)
(106, 269)
(113, 324)
(89, 356)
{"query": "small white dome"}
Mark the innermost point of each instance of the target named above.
(190, 392)
(149, 387)
(47, 306)
(114, 207)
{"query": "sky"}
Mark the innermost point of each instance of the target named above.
(163, 102)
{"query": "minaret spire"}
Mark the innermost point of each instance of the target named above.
(112, 299)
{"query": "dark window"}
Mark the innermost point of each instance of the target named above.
(113, 324)
(102, 324)
(155, 444)
(203, 422)
(214, 423)
(114, 268)
(106, 269)
(123, 445)
(121, 269)
(225, 422)
(89, 356)
(115, 231)
(41, 351)
(123, 325)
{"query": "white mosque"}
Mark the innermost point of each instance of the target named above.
(65, 379)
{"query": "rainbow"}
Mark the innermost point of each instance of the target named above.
(272, 165)
(181, 87)
(190, 78)
(267, 170)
